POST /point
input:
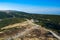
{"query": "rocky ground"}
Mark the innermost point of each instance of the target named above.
(28, 31)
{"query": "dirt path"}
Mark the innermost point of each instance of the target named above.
(17, 24)
(27, 31)
(22, 34)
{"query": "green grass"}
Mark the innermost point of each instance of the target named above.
(9, 21)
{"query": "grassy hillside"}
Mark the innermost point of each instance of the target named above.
(9, 21)
(11, 17)
(18, 14)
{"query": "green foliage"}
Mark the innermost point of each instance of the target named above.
(4, 15)
(9, 21)
(48, 21)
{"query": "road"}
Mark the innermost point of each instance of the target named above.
(54, 34)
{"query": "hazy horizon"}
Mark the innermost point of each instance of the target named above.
(32, 6)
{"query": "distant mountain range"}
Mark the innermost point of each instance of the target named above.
(11, 13)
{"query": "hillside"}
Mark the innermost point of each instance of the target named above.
(11, 20)
(30, 31)
(44, 20)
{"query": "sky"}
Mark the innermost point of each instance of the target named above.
(32, 6)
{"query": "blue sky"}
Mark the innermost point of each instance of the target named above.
(32, 6)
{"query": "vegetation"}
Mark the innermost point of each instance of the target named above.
(9, 21)
(48, 21)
